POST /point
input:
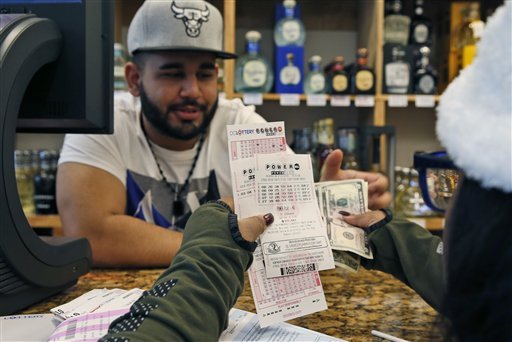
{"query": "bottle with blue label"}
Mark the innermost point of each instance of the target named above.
(290, 29)
(314, 82)
(253, 72)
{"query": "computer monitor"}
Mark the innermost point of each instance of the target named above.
(56, 75)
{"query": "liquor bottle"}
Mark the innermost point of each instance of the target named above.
(24, 180)
(337, 77)
(119, 63)
(362, 78)
(302, 144)
(398, 73)
(314, 82)
(289, 30)
(347, 142)
(411, 200)
(253, 73)
(396, 24)
(425, 77)
(421, 26)
(325, 140)
(469, 35)
(290, 74)
(44, 186)
(314, 149)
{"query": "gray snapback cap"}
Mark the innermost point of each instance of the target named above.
(177, 25)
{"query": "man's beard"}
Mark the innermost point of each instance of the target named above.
(188, 130)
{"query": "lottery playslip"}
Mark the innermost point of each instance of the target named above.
(284, 297)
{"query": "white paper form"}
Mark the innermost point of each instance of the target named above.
(276, 299)
(297, 241)
(27, 327)
(243, 326)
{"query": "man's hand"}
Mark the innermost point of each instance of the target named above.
(378, 194)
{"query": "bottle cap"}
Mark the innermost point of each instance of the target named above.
(289, 3)
(253, 36)
(362, 52)
(315, 59)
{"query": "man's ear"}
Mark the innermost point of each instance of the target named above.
(133, 75)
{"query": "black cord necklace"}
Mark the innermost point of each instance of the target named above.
(178, 207)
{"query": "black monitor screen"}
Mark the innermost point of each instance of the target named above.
(74, 93)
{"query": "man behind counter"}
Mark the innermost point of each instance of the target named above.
(169, 151)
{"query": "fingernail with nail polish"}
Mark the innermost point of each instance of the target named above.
(344, 213)
(269, 218)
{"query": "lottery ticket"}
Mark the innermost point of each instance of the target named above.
(281, 298)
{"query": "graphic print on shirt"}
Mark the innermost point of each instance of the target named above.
(151, 200)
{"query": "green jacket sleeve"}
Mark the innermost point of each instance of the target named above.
(411, 254)
(191, 300)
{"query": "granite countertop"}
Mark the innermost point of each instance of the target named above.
(358, 303)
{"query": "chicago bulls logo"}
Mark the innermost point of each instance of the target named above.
(192, 18)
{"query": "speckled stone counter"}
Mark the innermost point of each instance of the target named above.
(358, 303)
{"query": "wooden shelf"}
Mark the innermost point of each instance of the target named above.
(46, 221)
(430, 223)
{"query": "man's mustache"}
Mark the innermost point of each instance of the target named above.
(178, 106)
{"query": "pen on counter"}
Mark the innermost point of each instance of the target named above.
(387, 337)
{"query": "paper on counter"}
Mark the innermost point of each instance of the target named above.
(27, 327)
(243, 326)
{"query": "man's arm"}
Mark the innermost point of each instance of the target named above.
(92, 204)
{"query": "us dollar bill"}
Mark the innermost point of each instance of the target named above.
(346, 260)
(336, 198)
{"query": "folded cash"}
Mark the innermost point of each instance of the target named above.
(346, 260)
(336, 198)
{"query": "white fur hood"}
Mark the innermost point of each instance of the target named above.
(474, 116)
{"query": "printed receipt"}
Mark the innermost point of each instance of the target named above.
(280, 298)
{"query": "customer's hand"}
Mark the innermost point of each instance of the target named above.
(251, 227)
(365, 220)
(378, 194)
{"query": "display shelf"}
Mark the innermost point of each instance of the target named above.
(430, 223)
(46, 221)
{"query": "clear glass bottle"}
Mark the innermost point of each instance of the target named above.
(425, 77)
(398, 72)
(401, 184)
(396, 24)
(301, 140)
(347, 142)
(468, 35)
(421, 26)
(362, 77)
(253, 72)
(314, 82)
(290, 29)
(411, 201)
(44, 186)
(290, 74)
(337, 78)
(325, 140)
(119, 63)
(24, 180)
(313, 150)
